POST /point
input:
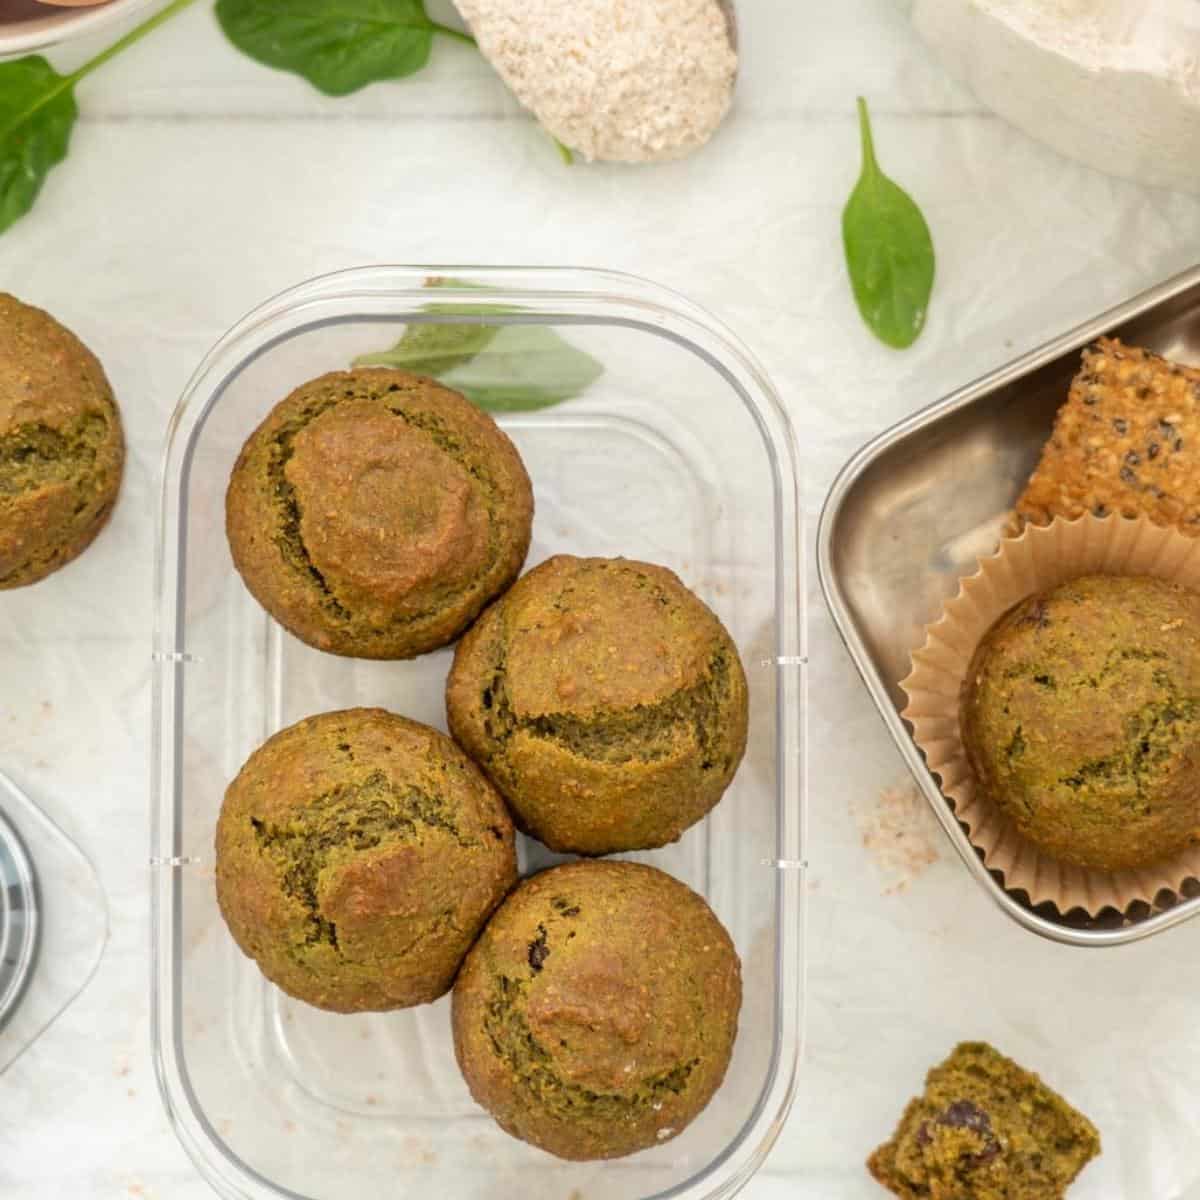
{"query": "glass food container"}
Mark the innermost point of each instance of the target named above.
(679, 452)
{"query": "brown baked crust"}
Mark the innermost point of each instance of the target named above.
(62, 450)
(1127, 441)
(358, 854)
(374, 513)
(1081, 720)
(596, 1015)
(985, 1129)
(605, 701)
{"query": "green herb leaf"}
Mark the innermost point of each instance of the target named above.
(889, 251)
(337, 46)
(432, 349)
(37, 114)
(525, 367)
(500, 368)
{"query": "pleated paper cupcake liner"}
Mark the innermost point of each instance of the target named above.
(1040, 558)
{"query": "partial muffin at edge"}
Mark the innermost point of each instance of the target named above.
(596, 1014)
(62, 450)
(605, 701)
(1081, 720)
(987, 1129)
(374, 513)
(358, 854)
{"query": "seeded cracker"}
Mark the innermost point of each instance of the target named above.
(1127, 441)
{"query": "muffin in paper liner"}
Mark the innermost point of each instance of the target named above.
(1040, 558)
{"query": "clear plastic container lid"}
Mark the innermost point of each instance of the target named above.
(53, 921)
(676, 450)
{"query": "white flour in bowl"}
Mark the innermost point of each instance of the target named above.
(621, 80)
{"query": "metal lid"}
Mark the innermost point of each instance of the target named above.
(19, 919)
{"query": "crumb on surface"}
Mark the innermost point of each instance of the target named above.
(901, 835)
(418, 1152)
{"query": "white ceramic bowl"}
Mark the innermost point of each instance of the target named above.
(27, 26)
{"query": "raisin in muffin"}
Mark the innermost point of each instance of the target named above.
(358, 855)
(62, 451)
(605, 701)
(596, 1015)
(374, 513)
(985, 1129)
(1081, 720)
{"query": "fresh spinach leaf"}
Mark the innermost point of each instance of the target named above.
(889, 251)
(525, 367)
(37, 114)
(337, 46)
(499, 368)
(432, 349)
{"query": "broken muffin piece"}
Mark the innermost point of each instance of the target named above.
(1127, 441)
(985, 1129)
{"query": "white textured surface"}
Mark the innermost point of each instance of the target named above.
(1115, 84)
(1148, 35)
(200, 183)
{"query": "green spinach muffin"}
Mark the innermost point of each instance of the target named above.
(1081, 720)
(62, 451)
(596, 1015)
(358, 855)
(374, 513)
(985, 1129)
(605, 701)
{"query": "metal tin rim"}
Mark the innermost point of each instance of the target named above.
(844, 621)
(20, 919)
